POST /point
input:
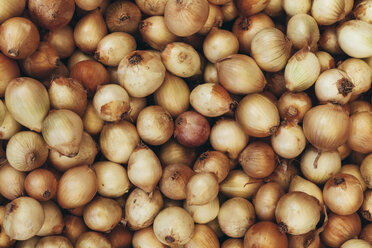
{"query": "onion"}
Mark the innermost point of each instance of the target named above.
(308, 240)
(326, 126)
(210, 73)
(318, 167)
(326, 61)
(136, 105)
(51, 14)
(245, 28)
(28, 102)
(257, 160)
(266, 200)
(214, 162)
(114, 47)
(173, 226)
(77, 57)
(122, 16)
(201, 188)
(10, 9)
(265, 234)
(214, 20)
(366, 208)
(26, 151)
(340, 228)
(328, 12)
(173, 153)
(233, 243)
(239, 74)
(329, 41)
(354, 170)
(23, 218)
(359, 106)
(29, 243)
(283, 173)
(89, 31)
(235, 217)
(112, 179)
(357, 243)
(360, 132)
(174, 180)
(67, 93)
(203, 214)
(362, 11)
(145, 238)
(144, 169)
(239, 184)
(293, 7)
(366, 171)
(92, 239)
(251, 7)
(153, 7)
(185, 18)
(102, 214)
(19, 38)
(41, 184)
(118, 140)
(302, 185)
(74, 227)
(141, 208)
(211, 100)
(203, 236)
(155, 33)
(93, 124)
(54, 241)
(288, 141)
(9, 70)
(120, 236)
(230, 11)
(293, 106)
(88, 4)
(271, 49)
(53, 219)
(297, 213)
(90, 74)
(141, 73)
(173, 95)
(5, 240)
(366, 233)
(12, 182)
(76, 187)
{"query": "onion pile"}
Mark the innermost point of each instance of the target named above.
(186, 123)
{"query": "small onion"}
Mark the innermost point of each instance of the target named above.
(265, 234)
(302, 185)
(112, 179)
(144, 169)
(173, 226)
(141, 73)
(293, 7)
(203, 236)
(76, 187)
(145, 238)
(10, 9)
(214, 162)
(363, 11)
(239, 184)
(136, 105)
(235, 217)
(9, 70)
(41, 184)
(366, 170)
(340, 228)
(326, 61)
(23, 218)
(203, 214)
(307, 240)
(201, 188)
(102, 214)
(328, 12)
(293, 106)
(258, 116)
(19, 38)
(303, 31)
(359, 243)
(360, 132)
(93, 124)
(276, 83)
(54, 241)
(12, 182)
(185, 18)
(118, 140)
(120, 236)
(28, 102)
(76, 57)
(173, 153)
(26, 151)
(366, 208)
(88, 4)
(318, 167)
(283, 173)
(297, 213)
(141, 208)
(29, 243)
(266, 200)
(251, 7)
(210, 73)
(53, 219)
(230, 11)
(326, 126)
(74, 227)
(122, 16)
(152, 7)
(354, 170)
(329, 41)
(233, 243)
(92, 239)
(215, 19)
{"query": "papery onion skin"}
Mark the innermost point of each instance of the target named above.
(360, 132)
(53, 221)
(92, 239)
(215, 162)
(41, 184)
(293, 106)
(203, 236)
(265, 234)
(266, 200)
(9, 70)
(122, 16)
(366, 233)
(366, 170)
(11, 8)
(203, 214)
(251, 7)
(201, 188)
(12, 182)
(146, 238)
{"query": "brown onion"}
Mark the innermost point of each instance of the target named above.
(9, 70)
(308, 240)
(120, 237)
(88, 4)
(174, 180)
(265, 234)
(41, 184)
(328, 40)
(74, 227)
(12, 182)
(302, 185)
(122, 16)
(215, 19)
(173, 153)
(76, 187)
(203, 214)
(29, 243)
(53, 219)
(19, 38)
(293, 106)
(359, 106)
(360, 132)
(152, 7)
(136, 105)
(233, 243)
(51, 14)
(366, 208)
(11, 8)
(239, 184)
(203, 236)
(283, 173)
(326, 61)
(214, 162)
(76, 57)
(92, 239)
(266, 200)
(145, 238)
(366, 233)
(54, 241)
(251, 7)
(141, 208)
(93, 124)
(201, 188)
(354, 170)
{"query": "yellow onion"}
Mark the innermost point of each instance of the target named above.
(366, 208)
(233, 243)
(327, 12)
(118, 140)
(265, 234)
(76, 57)
(297, 213)
(12, 182)
(144, 169)
(210, 73)
(354, 37)
(318, 167)
(10, 9)
(258, 116)
(360, 132)
(93, 124)
(302, 185)
(203, 214)
(266, 199)
(274, 8)
(63, 131)
(329, 41)
(122, 16)
(173, 153)
(293, 7)
(41, 184)
(230, 11)
(236, 216)
(276, 83)
(239, 184)
(366, 233)
(326, 61)
(283, 173)
(354, 170)
(92, 239)
(293, 106)
(146, 238)
(215, 19)
(76, 187)
(366, 171)
(136, 105)
(88, 4)
(141, 208)
(308, 240)
(363, 10)
(201, 188)
(215, 162)
(141, 73)
(9, 70)
(203, 236)
(271, 49)
(303, 31)
(120, 236)
(54, 241)
(28, 102)
(19, 38)
(239, 74)
(31, 242)
(153, 7)
(185, 18)
(67, 93)
(326, 126)
(89, 31)
(251, 7)
(74, 227)
(359, 243)
(53, 219)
